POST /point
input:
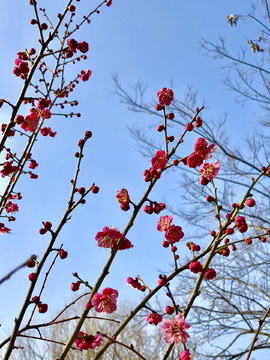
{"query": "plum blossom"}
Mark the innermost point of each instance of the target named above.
(164, 223)
(210, 171)
(165, 96)
(106, 301)
(210, 274)
(85, 341)
(201, 148)
(195, 267)
(108, 237)
(175, 330)
(30, 122)
(154, 318)
(160, 160)
(194, 160)
(174, 234)
(122, 196)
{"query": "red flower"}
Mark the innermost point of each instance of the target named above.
(72, 44)
(250, 202)
(165, 96)
(175, 330)
(108, 238)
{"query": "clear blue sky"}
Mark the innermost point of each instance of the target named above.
(154, 41)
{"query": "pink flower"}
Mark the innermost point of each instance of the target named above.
(165, 96)
(108, 239)
(164, 223)
(210, 274)
(194, 160)
(122, 196)
(174, 330)
(210, 171)
(174, 234)
(159, 161)
(8, 168)
(154, 318)
(195, 267)
(85, 341)
(106, 301)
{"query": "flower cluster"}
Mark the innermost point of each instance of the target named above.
(135, 284)
(109, 237)
(201, 153)
(85, 75)
(85, 341)
(241, 224)
(154, 318)
(106, 301)
(173, 233)
(8, 169)
(73, 46)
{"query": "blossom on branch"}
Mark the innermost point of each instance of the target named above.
(164, 223)
(210, 171)
(160, 160)
(85, 341)
(109, 237)
(175, 330)
(154, 318)
(165, 96)
(106, 301)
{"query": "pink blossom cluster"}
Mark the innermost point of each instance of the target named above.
(241, 224)
(85, 341)
(8, 169)
(47, 131)
(201, 153)
(174, 331)
(135, 284)
(11, 132)
(21, 69)
(173, 233)
(109, 237)
(154, 318)
(154, 207)
(11, 207)
(106, 301)
(85, 75)
(73, 46)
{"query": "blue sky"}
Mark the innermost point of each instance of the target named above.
(156, 42)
